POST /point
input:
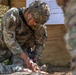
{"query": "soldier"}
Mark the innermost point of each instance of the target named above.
(69, 9)
(23, 36)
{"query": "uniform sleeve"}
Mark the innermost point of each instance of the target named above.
(41, 37)
(9, 25)
(70, 22)
(70, 36)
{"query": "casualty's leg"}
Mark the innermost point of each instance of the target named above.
(6, 69)
(17, 65)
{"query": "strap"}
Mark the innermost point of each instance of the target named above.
(22, 17)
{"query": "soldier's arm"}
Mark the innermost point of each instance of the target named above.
(41, 37)
(9, 25)
(9, 35)
(70, 23)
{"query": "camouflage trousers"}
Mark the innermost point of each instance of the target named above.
(73, 61)
(71, 47)
(72, 53)
(17, 64)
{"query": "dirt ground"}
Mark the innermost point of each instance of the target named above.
(59, 71)
(55, 73)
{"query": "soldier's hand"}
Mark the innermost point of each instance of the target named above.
(33, 66)
(30, 64)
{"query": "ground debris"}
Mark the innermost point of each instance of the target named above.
(55, 73)
(22, 73)
(61, 73)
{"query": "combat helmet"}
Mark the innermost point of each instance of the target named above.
(40, 11)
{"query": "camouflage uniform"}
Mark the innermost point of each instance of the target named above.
(70, 37)
(69, 9)
(17, 38)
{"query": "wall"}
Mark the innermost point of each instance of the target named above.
(17, 3)
(55, 50)
(4, 2)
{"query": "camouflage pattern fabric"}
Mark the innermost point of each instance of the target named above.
(18, 38)
(16, 65)
(4, 55)
(8, 69)
(40, 11)
(70, 37)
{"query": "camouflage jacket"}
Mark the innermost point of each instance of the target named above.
(70, 23)
(17, 35)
